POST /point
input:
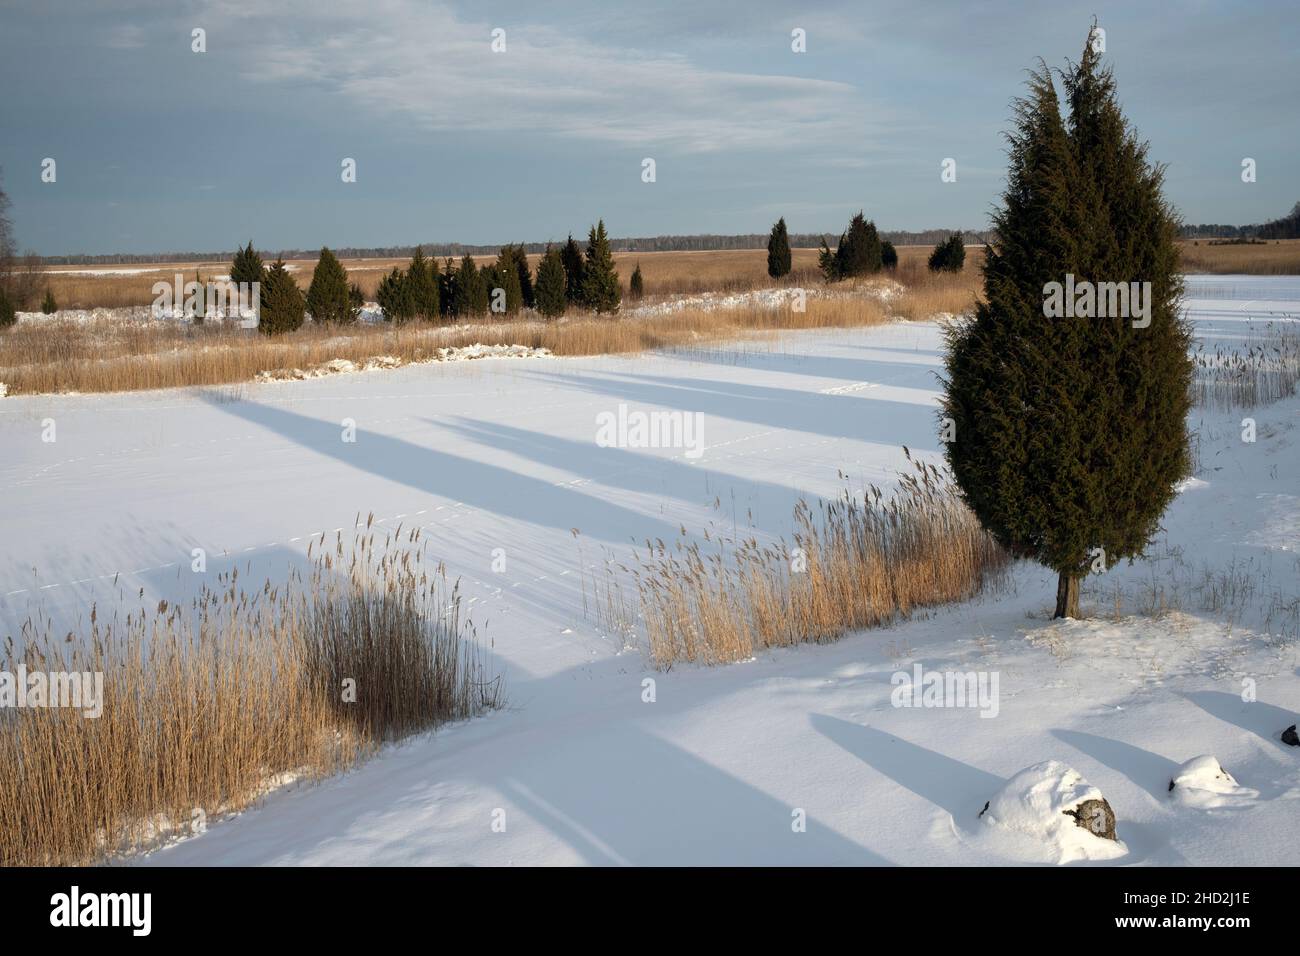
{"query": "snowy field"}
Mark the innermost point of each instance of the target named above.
(501, 454)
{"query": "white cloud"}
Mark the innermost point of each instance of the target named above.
(420, 61)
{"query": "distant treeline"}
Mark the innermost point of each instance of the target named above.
(1288, 227)
(702, 243)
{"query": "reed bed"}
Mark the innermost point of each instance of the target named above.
(853, 563)
(112, 355)
(207, 707)
(1275, 257)
(1259, 374)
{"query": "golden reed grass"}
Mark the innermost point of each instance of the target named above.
(206, 707)
(854, 563)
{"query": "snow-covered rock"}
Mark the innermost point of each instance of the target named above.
(1203, 783)
(1053, 805)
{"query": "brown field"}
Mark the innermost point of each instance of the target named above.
(1276, 257)
(115, 355)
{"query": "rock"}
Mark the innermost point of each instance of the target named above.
(1203, 783)
(1289, 736)
(1096, 817)
(1064, 817)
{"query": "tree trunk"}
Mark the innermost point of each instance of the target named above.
(1067, 596)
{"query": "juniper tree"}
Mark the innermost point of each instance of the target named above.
(422, 285)
(7, 314)
(636, 285)
(520, 257)
(48, 305)
(778, 250)
(858, 252)
(356, 301)
(888, 255)
(394, 297)
(1067, 436)
(282, 303)
(247, 266)
(600, 288)
(471, 298)
(507, 275)
(328, 297)
(949, 255)
(574, 271)
(550, 292)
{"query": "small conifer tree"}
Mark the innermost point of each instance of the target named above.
(574, 271)
(247, 266)
(328, 298)
(636, 285)
(551, 284)
(283, 307)
(778, 251)
(48, 305)
(600, 287)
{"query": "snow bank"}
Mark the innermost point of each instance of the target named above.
(762, 299)
(346, 366)
(1040, 802)
(1204, 784)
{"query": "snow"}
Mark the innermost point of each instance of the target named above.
(1199, 656)
(1203, 783)
(1038, 802)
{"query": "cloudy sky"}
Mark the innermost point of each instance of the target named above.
(159, 148)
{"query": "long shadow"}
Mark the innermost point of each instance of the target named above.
(1149, 771)
(860, 417)
(493, 489)
(907, 374)
(1259, 718)
(949, 784)
(620, 468)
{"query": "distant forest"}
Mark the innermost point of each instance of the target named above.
(456, 249)
(1287, 227)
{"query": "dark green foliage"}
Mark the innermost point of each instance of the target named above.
(519, 256)
(551, 298)
(1069, 434)
(247, 266)
(48, 305)
(601, 291)
(283, 308)
(356, 300)
(778, 250)
(857, 254)
(636, 285)
(328, 298)
(470, 295)
(422, 285)
(574, 271)
(888, 255)
(394, 297)
(949, 255)
(7, 314)
(507, 279)
(447, 289)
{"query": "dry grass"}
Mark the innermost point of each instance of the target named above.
(206, 707)
(854, 563)
(1230, 378)
(1275, 257)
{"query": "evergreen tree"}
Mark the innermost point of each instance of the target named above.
(422, 285)
(394, 297)
(858, 252)
(520, 257)
(247, 266)
(507, 276)
(1069, 434)
(778, 250)
(471, 295)
(356, 301)
(447, 289)
(282, 305)
(949, 255)
(7, 314)
(636, 286)
(551, 284)
(48, 305)
(888, 255)
(574, 271)
(328, 297)
(601, 291)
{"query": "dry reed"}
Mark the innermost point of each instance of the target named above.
(206, 707)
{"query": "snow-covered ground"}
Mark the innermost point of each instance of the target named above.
(725, 762)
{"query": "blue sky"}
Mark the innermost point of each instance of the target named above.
(159, 148)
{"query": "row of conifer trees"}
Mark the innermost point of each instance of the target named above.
(860, 252)
(426, 290)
